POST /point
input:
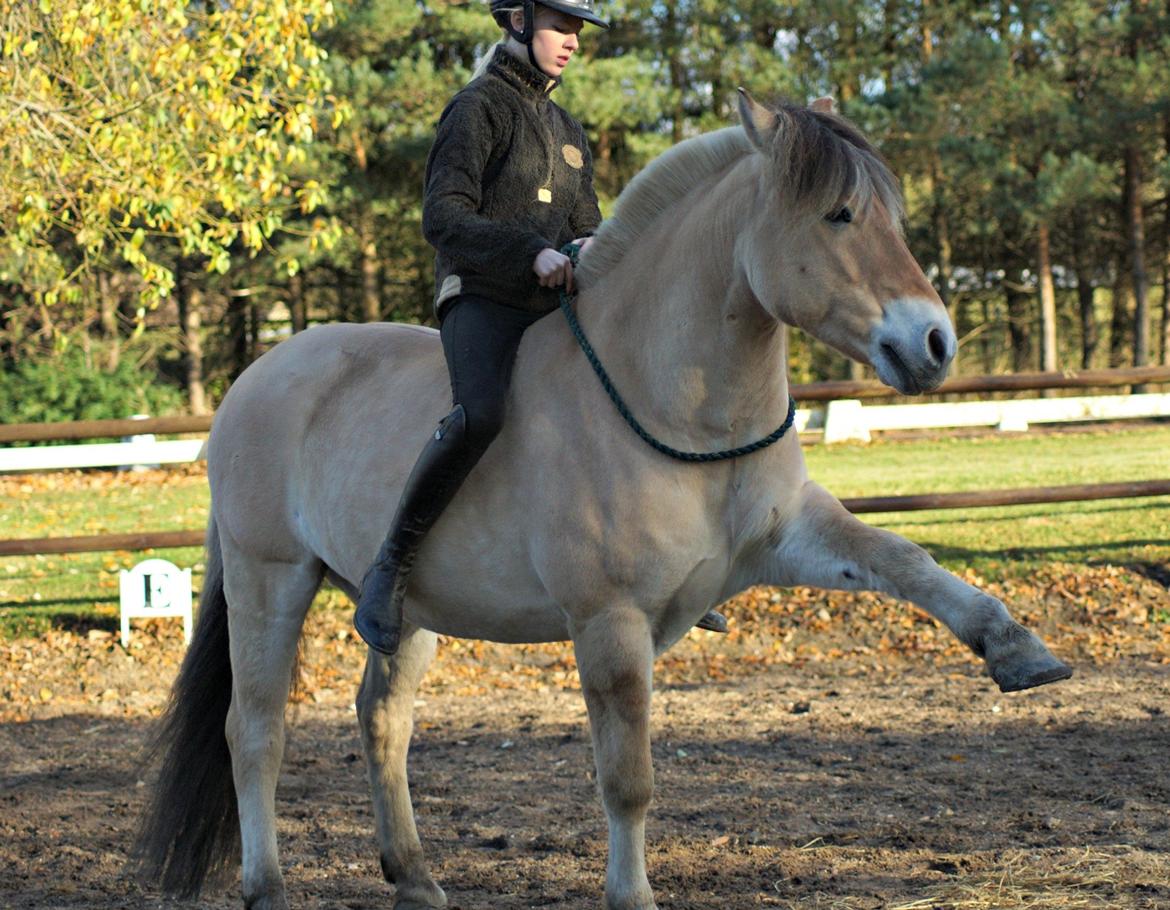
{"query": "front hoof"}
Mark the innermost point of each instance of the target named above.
(1033, 675)
(1017, 660)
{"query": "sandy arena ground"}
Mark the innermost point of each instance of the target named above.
(839, 753)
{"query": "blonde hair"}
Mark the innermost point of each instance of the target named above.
(481, 65)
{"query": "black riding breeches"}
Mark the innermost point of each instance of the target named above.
(480, 339)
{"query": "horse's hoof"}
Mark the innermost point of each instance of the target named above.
(276, 901)
(1017, 660)
(431, 898)
(420, 893)
(713, 621)
(1031, 676)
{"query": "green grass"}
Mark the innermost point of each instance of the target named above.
(80, 591)
(1014, 540)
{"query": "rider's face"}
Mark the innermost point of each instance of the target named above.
(555, 40)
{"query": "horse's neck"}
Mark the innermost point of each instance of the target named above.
(679, 330)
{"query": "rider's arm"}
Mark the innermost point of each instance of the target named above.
(452, 224)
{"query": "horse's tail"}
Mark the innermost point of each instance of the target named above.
(189, 835)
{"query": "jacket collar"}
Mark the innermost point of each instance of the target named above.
(524, 77)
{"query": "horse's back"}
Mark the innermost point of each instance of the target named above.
(304, 430)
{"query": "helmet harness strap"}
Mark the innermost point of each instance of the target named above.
(525, 35)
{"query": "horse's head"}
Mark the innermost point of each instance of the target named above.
(824, 250)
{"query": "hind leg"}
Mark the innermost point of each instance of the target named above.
(267, 603)
(385, 706)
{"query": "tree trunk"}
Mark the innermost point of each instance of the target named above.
(297, 305)
(1165, 341)
(1166, 263)
(254, 325)
(1019, 320)
(1121, 319)
(190, 301)
(371, 268)
(1135, 233)
(1047, 299)
(1090, 331)
(108, 318)
(237, 330)
(942, 233)
(987, 351)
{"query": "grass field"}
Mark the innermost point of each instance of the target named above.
(1011, 541)
(81, 590)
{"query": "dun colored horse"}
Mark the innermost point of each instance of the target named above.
(570, 527)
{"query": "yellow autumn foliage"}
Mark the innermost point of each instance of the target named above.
(122, 120)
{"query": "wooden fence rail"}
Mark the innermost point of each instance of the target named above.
(920, 502)
(812, 392)
(100, 429)
(821, 391)
(1011, 382)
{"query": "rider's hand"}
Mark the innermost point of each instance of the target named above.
(583, 243)
(553, 269)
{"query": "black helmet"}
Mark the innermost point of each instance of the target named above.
(582, 9)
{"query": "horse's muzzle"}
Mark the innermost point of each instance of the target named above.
(913, 346)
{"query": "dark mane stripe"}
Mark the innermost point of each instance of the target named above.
(819, 160)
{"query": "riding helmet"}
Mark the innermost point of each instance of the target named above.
(582, 9)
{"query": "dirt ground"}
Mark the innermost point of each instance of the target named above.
(834, 752)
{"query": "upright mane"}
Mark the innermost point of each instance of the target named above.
(820, 161)
(656, 188)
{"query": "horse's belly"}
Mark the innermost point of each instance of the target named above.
(518, 625)
(463, 614)
(480, 591)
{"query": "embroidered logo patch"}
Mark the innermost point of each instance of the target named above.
(573, 156)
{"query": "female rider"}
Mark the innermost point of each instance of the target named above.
(509, 181)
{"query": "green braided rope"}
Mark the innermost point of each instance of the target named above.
(572, 251)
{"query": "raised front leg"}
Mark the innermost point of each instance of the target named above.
(826, 547)
(615, 657)
(385, 706)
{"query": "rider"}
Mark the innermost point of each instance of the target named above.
(509, 181)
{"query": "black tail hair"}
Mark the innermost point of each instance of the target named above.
(189, 836)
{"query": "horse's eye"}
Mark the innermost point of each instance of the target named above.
(843, 216)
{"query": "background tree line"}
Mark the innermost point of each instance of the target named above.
(1032, 140)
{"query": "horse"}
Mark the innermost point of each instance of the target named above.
(571, 527)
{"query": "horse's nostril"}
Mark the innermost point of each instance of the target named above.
(937, 345)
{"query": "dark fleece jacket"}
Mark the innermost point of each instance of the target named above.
(509, 174)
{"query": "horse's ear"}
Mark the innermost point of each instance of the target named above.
(825, 105)
(758, 121)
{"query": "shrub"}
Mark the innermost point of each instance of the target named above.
(68, 386)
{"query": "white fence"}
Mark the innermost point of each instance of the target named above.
(99, 455)
(847, 420)
(841, 421)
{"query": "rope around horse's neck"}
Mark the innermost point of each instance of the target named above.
(573, 251)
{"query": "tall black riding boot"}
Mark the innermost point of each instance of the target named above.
(441, 468)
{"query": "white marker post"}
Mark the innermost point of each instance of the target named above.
(152, 589)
